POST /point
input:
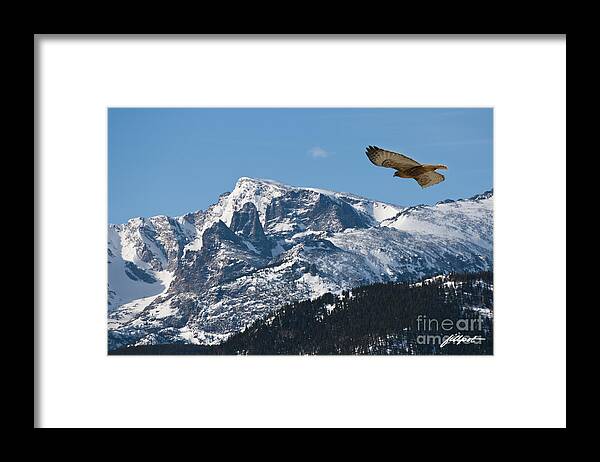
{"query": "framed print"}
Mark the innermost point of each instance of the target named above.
(298, 232)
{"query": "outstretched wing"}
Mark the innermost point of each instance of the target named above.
(429, 179)
(390, 159)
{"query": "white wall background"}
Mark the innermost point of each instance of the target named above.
(523, 384)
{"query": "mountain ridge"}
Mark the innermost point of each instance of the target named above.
(487, 193)
(264, 243)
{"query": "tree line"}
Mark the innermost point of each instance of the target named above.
(377, 319)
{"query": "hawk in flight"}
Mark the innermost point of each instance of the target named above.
(406, 167)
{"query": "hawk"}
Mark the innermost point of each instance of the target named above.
(406, 167)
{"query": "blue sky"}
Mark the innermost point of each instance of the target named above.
(174, 161)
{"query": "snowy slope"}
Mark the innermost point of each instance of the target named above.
(203, 276)
(469, 219)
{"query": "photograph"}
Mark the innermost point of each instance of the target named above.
(295, 231)
(300, 231)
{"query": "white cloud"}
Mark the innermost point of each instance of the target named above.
(318, 152)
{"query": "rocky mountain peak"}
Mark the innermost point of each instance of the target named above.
(200, 277)
(484, 195)
(218, 232)
(246, 223)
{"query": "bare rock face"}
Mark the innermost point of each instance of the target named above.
(223, 256)
(246, 223)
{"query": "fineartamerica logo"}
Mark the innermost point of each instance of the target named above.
(432, 331)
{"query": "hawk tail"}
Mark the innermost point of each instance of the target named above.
(429, 179)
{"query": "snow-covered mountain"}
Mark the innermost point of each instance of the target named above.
(200, 277)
